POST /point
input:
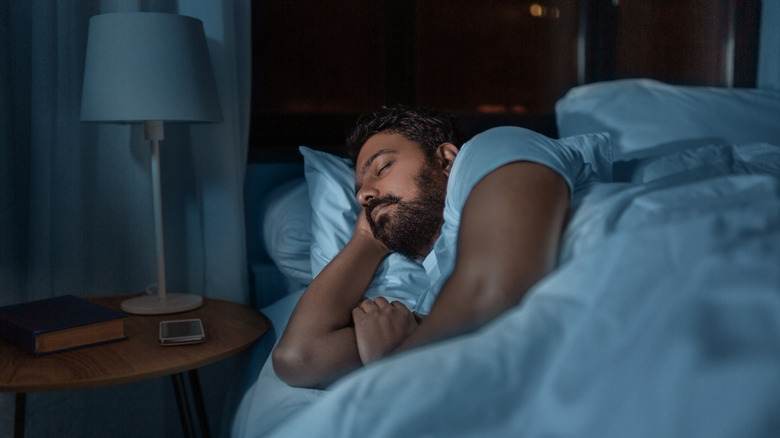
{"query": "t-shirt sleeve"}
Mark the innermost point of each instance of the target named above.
(580, 160)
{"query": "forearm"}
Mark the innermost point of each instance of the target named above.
(318, 345)
(319, 363)
(327, 303)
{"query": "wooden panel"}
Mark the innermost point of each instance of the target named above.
(318, 57)
(496, 55)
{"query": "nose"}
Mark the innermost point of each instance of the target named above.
(366, 194)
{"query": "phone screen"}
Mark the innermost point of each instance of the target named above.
(186, 330)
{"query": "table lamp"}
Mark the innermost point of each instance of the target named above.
(151, 68)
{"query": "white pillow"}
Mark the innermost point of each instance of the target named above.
(331, 185)
(645, 117)
(287, 229)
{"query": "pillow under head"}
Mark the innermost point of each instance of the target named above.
(331, 187)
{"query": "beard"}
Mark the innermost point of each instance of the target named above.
(411, 228)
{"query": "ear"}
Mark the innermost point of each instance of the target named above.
(446, 152)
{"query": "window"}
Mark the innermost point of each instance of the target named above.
(317, 65)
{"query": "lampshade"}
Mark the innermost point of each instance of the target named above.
(148, 66)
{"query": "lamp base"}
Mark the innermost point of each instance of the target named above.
(154, 305)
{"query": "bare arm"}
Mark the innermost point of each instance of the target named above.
(508, 240)
(318, 346)
(501, 254)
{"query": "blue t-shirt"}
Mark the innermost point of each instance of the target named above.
(581, 160)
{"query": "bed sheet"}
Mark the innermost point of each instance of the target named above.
(663, 319)
(269, 401)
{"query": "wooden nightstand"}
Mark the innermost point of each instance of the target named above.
(230, 328)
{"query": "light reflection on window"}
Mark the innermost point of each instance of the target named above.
(539, 11)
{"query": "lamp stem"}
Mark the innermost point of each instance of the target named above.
(153, 131)
(160, 303)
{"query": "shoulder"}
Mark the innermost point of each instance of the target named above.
(488, 151)
(579, 160)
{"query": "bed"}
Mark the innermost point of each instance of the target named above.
(662, 317)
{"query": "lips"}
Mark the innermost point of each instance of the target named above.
(376, 212)
(380, 208)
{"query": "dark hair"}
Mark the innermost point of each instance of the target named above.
(426, 127)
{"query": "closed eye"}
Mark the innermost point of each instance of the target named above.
(385, 167)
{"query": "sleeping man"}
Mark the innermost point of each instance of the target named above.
(485, 220)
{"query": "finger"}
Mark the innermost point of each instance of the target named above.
(381, 302)
(369, 307)
(399, 305)
(362, 306)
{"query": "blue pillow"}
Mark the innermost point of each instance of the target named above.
(286, 230)
(331, 185)
(646, 118)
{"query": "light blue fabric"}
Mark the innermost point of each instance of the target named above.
(645, 117)
(286, 230)
(711, 160)
(674, 187)
(331, 184)
(269, 401)
(665, 324)
(580, 160)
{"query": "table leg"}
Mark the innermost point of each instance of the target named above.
(200, 405)
(185, 409)
(182, 401)
(19, 414)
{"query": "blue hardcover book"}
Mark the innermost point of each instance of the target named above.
(60, 323)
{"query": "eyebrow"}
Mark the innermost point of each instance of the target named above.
(364, 168)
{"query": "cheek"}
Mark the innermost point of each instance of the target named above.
(402, 189)
(387, 186)
(404, 183)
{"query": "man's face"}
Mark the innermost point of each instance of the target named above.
(402, 193)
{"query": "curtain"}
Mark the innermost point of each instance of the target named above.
(769, 46)
(76, 198)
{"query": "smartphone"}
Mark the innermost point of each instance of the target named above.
(181, 332)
